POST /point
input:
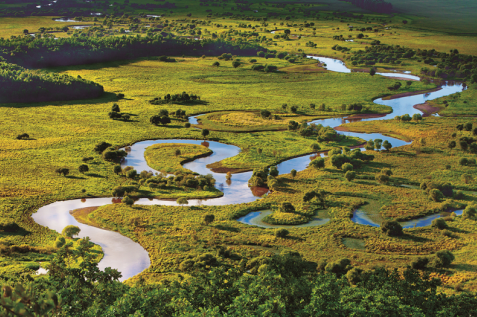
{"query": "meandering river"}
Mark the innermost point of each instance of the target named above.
(130, 258)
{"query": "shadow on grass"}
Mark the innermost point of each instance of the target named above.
(74, 177)
(105, 98)
(95, 175)
(227, 228)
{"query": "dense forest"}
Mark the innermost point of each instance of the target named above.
(282, 285)
(18, 84)
(44, 52)
(448, 65)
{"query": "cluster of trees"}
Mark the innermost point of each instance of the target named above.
(376, 144)
(204, 182)
(407, 118)
(449, 65)
(23, 136)
(44, 52)
(115, 113)
(18, 84)
(323, 134)
(264, 177)
(437, 190)
(183, 98)
(286, 284)
(109, 153)
(265, 68)
(162, 118)
(466, 143)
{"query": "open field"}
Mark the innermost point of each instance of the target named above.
(52, 151)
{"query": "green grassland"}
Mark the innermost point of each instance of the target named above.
(163, 157)
(63, 133)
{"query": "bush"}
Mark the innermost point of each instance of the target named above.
(83, 168)
(382, 178)
(208, 219)
(339, 267)
(115, 108)
(443, 258)
(128, 201)
(420, 263)
(439, 223)
(354, 275)
(318, 163)
(286, 207)
(469, 212)
(281, 233)
(70, 231)
(350, 175)
(391, 228)
(23, 136)
(187, 125)
(463, 161)
(59, 242)
(435, 195)
(347, 167)
(100, 147)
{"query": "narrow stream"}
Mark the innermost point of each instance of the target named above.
(130, 258)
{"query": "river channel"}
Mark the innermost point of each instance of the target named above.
(130, 258)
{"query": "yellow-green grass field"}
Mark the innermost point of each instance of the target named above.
(163, 157)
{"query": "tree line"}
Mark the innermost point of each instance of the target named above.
(18, 84)
(44, 52)
(285, 283)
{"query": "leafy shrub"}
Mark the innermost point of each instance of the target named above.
(391, 228)
(281, 233)
(439, 223)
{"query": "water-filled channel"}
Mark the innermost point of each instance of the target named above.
(130, 258)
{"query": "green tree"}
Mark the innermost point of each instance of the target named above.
(350, 175)
(273, 171)
(451, 145)
(83, 168)
(177, 152)
(443, 258)
(281, 233)
(286, 207)
(387, 145)
(347, 167)
(216, 64)
(208, 219)
(128, 201)
(70, 231)
(377, 144)
(115, 108)
(315, 147)
(236, 64)
(59, 242)
(205, 133)
(372, 71)
(117, 169)
(436, 195)
(391, 228)
(318, 163)
(469, 212)
(417, 117)
(293, 173)
(182, 201)
(439, 223)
